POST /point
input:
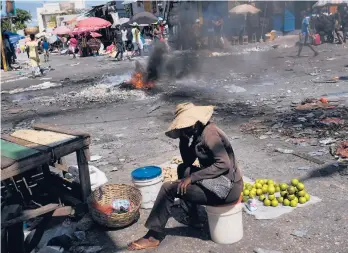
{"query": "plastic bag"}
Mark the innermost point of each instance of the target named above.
(120, 205)
(98, 178)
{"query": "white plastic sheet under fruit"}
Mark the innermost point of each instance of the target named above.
(269, 212)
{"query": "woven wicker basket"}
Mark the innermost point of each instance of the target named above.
(31, 30)
(105, 195)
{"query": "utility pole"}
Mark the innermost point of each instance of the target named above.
(3, 56)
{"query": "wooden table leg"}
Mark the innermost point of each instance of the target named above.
(85, 180)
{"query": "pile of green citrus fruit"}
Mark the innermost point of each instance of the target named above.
(273, 194)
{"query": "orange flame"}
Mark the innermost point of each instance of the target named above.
(137, 81)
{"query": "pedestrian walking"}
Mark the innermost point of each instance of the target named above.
(345, 23)
(34, 58)
(196, 31)
(338, 26)
(119, 43)
(124, 37)
(305, 33)
(45, 47)
(72, 46)
(157, 35)
(8, 51)
(137, 43)
(129, 44)
(84, 47)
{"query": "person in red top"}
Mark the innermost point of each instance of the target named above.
(161, 27)
(73, 45)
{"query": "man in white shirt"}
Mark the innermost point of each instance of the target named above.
(137, 44)
(124, 37)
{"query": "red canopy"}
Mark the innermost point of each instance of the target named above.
(93, 22)
(61, 30)
(83, 30)
(95, 35)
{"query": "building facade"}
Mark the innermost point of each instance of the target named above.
(48, 13)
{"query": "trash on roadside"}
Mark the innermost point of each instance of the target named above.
(343, 78)
(342, 149)
(316, 153)
(324, 100)
(121, 205)
(114, 169)
(58, 235)
(63, 241)
(98, 177)
(95, 158)
(327, 141)
(299, 233)
(284, 151)
(51, 249)
(262, 137)
(80, 235)
(313, 105)
(332, 121)
(259, 250)
(251, 205)
(303, 168)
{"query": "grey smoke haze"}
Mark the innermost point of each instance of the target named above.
(180, 64)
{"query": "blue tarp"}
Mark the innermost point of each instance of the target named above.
(289, 21)
(14, 37)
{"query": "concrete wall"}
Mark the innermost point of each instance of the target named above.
(48, 10)
(137, 7)
(61, 19)
(39, 18)
(80, 4)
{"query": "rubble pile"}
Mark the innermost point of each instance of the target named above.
(308, 123)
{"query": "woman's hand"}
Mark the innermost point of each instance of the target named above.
(183, 185)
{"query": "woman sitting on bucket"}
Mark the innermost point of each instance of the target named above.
(218, 181)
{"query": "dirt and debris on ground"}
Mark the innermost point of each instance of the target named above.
(256, 107)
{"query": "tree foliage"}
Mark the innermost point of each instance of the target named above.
(19, 22)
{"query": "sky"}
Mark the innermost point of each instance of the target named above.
(31, 5)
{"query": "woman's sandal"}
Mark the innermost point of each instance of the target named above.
(136, 246)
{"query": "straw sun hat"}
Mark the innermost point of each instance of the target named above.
(187, 115)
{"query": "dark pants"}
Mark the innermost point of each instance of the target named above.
(339, 36)
(84, 51)
(306, 43)
(120, 47)
(9, 59)
(195, 195)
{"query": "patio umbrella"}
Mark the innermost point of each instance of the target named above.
(96, 35)
(93, 22)
(123, 20)
(61, 30)
(244, 9)
(144, 18)
(83, 30)
(14, 37)
(76, 19)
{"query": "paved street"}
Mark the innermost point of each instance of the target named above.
(253, 84)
